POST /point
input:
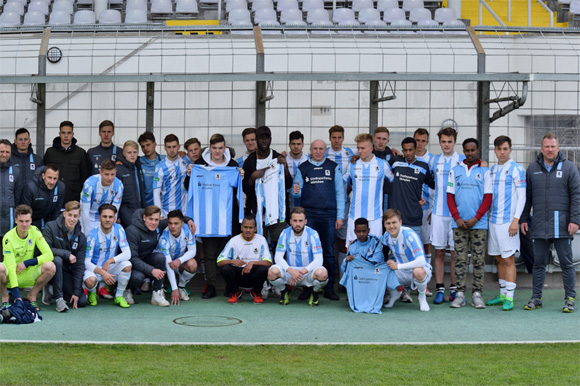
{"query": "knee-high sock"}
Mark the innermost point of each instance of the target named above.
(395, 295)
(318, 284)
(184, 278)
(502, 287)
(421, 286)
(122, 281)
(278, 283)
(428, 258)
(509, 289)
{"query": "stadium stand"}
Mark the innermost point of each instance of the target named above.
(308, 5)
(34, 18)
(110, 16)
(14, 6)
(393, 14)
(136, 16)
(38, 6)
(59, 18)
(418, 14)
(10, 19)
(63, 5)
(84, 17)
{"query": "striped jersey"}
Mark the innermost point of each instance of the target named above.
(428, 193)
(101, 247)
(93, 196)
(440, 166)
(242, 159)
(271, 196)
(341, 157)
(174, 248)
(469, 185)
(148, 167)
(168, 190)
(367, 187)
(256, 249)
(294, 163)
(209, 199)
(407, 247)
(509, 192)
(304, 251)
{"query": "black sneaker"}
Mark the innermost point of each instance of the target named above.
(313, 302)
(533, 304)
(305, 295)
(285, 296)
(330, 294)
(569, 305)
(209, 292)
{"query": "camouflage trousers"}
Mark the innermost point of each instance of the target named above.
(474, 241)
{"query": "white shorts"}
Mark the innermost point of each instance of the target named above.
(405, 276)
(426, 228)
(442, 232)
(307, 281)
(114, 269)
(375, 229)
(341, 233)
(500, 243)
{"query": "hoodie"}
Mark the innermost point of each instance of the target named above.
(46, 203)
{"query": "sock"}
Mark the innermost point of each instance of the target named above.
(100, 285)
(395, 295)
(502, 287)
(509, 289)
(122, 281)
(440, 287)
(452, 288)
(278, 283)
(184, 278)
(318, 284)
(428, 258)
(421, 286)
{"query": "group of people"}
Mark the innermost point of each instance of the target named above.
(108, 223)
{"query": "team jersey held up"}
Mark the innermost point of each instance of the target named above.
(509, 192)
(101, 247)
(174, 248)
(271, 196)
(256, 249)
(93, 196)
(168, 191)
(440, 166)
(209, 199)
(300, 252)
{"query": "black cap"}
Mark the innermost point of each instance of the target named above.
(263, 130)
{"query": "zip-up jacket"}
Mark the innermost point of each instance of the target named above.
(10, 195)
(28, 163)
(131, 175)
(46, 203)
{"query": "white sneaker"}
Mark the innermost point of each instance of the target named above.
(61, 305)
(128, 295)
(459, 300)
(183, 294)
(477, 301)
(158, 298)
(146, 286)
(265, 290)
(423, 305)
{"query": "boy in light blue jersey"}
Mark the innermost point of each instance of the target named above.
(409, 264)
(168, 189)
(177, 244)
(103, 262)
(303, 263)
(100, 189)
(149, 161)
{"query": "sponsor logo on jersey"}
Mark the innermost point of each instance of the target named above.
(478, 176)
(32, 166)
(55, 199)
(218, 176)
(377, 271)
(29, 241)
(559, 174)
(327, 172)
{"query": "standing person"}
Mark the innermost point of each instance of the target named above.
(315, 179)
(23, 156)
(302, 264)
(244, 262)
(193, 148)
(71, 161)
(255, 168)
(249, 139)
(168, 190)
(104, 188)
(130, 173)
(441, 220)
(68, 245)
(553, 192)
(295, 156)
(381, 138)
(106, 150)
(212, 205)
(366, 176)
(10, 187)
(149, 161)
(469, 192)
(45, 195)
(509, 198)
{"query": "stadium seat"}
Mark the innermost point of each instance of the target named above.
(59, 17)
(392, 14)
(402, 23)
(24, 2)
(236, 4)
(239, 18)
(136, 4)
(14, 6)
(291, 15)
(307, 5)
(419, 14)
(408, 5)
(110, 16)
(454, 23)
(84, 17)
(428, 23)
(318, 15)
(116, 4)
(367, 15)
(185, 7)
(63, 5)
(9, 19)
(34, 18)
(383, 5)
(161, 9)
(444, 14)
(136, 16)
(575, 7)
(357, 5)
(343, 15)
(261, 4)
(286, 4)
(38, 6)
(84, 4)
(265, 15)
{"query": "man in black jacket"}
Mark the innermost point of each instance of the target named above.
(68, 245)
(10, 187)
(44, 193)
(23, 155)
(130, 173)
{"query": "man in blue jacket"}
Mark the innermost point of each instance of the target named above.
(553, 191)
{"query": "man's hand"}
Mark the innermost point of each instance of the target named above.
(392, 265)
(572, 228)
(422, 202)
(524, 228)
(175, 298)
(349, 258)
(191, 226)
(107, 265)
(339, 223)
(189, 169)
(460, 223)
(72, 258)
(108, 278)
(157, 273)
(20, 267)
(175, 264)
(513, 229)
(282, 158)
(242, 172)
(297, 187)
(258, 173)
(248, 268)
(238, 263)
(354, 158)
(395, 152)
(471, 222)
(295, 276)
(74, 301)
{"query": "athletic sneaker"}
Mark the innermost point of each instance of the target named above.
(568, 305)
(121, 302)
(5, 305)
(103, 293)
(146, 286)
(406, 296)
(92, 299)
(46, 295)
(423, 305)
(158, 298)
(533, 304)
(452, 295)
(440, 297)
(183, 294)
(265, 290)
(209, 292)
(508, 304)
(313, 302)
(234, 296)
(34, 304)
(61, 305)
(305, 294)
(497, 301)
(285, 296)
(428, 293)
(257, 298)
(128, 295)
(477, 301)
(459, 300)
